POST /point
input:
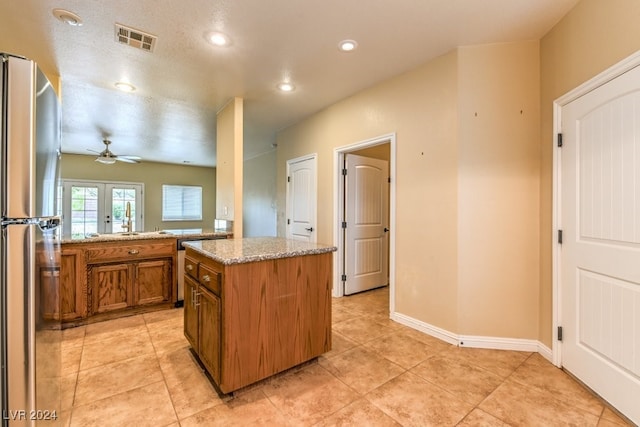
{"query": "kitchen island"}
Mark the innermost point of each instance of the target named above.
(256, 306)
(103, 276)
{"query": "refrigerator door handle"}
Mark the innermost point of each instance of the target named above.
(45, 223)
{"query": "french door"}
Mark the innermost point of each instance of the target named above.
(94, 207)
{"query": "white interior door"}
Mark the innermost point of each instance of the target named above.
(600, 252)
(366, 216)
(302, 199)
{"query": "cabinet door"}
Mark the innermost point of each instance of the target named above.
(209, 333)
(190, 312)
(73, 288)
(152, 282)
(110, 287)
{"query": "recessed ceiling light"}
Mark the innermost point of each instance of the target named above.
(67, 17)
(125, 87)
(286, 87)
(347, 45)
(217, 39)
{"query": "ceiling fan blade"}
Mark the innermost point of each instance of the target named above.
(132, 157)
(126, 159)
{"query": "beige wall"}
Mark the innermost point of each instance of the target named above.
(420, 107)
(229, 147)
(595, 35)
(153, 175)
(259, 195)
(498, 180)
(467, 186)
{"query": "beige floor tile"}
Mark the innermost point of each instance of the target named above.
(339, 314)
(112, 329)
(609, 416)
(500, 362)
(252, 408)
(162, 315)
(467, 382)
(401, 349)
(539, 373)
(478, 417)
(361, 369)
(518, 404)
(70, 360)
(362, 329)
(437, 344)
(167, 335)
(412, 401)
(148, 406)
(339, 344)
(116, 348)
(308, 395)
(68, 390)
(359, 413)
(190, 389)
(113, 378)
(73, 337)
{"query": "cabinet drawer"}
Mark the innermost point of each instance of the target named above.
(128, 252)
(191, 267)
(210, 278)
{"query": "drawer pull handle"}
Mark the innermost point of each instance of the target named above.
(134, 252)
(189, 267)
(206, 278)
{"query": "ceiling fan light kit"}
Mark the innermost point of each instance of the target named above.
(108, 158)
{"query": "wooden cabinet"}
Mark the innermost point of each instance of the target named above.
(106, 278)
(252, 320)
(62, 286)
(202, 313)
(132, 275)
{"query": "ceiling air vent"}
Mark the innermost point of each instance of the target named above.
(135, 38)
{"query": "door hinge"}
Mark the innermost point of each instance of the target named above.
(344, 224)
(288, 221)
(559, 140)
(389, 180)
(344, 172)
(559, 333)
(560, 236)
(344, 277)
(288, 179)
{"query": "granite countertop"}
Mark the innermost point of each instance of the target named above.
(251, 249)
(146, 235)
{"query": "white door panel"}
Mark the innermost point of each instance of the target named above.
(366, 212)
(600, 255)
(301, 199)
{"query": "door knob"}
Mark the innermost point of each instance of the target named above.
(386, 230)
(310, 229)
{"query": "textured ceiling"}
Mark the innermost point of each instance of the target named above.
(181, 85)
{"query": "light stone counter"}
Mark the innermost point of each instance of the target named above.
(252, 249)
(146, 235)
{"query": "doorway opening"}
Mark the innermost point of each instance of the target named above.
(384, 148)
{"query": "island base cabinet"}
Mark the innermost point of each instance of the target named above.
(253, 320)
(191, 312)
(209, 332)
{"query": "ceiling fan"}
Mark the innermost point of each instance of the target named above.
(108, 158)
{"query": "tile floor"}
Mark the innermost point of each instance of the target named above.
(138, 371)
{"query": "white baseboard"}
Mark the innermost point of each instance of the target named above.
(472, 341)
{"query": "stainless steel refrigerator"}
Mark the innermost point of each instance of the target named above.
(29, 249)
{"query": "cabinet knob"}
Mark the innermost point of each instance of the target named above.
(134, 252)
(206, 278)
(189, 267)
